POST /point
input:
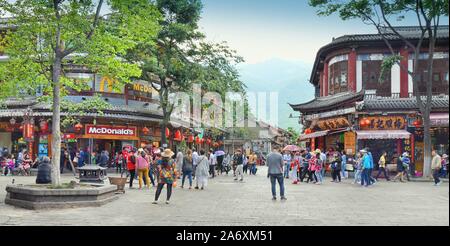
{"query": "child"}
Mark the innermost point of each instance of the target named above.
(8, 166)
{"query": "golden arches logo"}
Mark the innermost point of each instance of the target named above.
(109, 81)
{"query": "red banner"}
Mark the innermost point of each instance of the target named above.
(105, 130)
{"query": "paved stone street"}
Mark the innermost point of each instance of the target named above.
(226, 202)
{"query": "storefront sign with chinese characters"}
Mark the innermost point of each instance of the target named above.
(333, 123)
(385, 123)
(330, 114)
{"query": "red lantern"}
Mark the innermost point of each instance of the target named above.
(417, 123)
(220, 143)
(43, 125)
(78, 127)
(145, 130)
(308, 131)
(208, 141)
(190, 139)
(178, 135)
(198, 140)
(364, 122)
(167, 132)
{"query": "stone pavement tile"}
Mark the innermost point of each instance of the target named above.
(226, 202)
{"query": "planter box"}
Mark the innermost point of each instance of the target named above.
(41, 197)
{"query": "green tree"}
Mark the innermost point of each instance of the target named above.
(51, 36)
(379, 14)
(293, 135)
(182, 57)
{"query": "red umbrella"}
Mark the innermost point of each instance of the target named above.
(292, 148)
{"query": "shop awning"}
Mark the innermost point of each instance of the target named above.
(383, 134)
(439, 119)
(313, 135)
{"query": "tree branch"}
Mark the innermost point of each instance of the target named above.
(91, 32)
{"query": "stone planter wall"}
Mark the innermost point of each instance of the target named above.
(43, 198)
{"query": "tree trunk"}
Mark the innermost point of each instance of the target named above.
(56, 126)
(427, 144)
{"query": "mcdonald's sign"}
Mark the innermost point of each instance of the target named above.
(108, 81)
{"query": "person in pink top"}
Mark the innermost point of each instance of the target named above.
(312, 168)
(143, 165)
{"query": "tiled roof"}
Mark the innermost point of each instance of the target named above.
(321, 103)
(437, 102)
(409, 32)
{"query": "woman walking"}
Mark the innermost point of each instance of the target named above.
(202, 171)
(358, 168)
(319, 166)
(131, 166)
(167, 175)
(336, 168)
(143, 166)
(400, 170)
(382, 167)
(312, 169)
(187, 169)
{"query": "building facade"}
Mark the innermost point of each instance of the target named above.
(132, 119)
(357, 106)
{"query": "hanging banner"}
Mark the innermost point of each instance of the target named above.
(386, 123)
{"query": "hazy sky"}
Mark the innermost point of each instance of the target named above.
(263, 29)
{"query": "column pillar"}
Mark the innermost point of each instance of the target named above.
(404, 91)
(325, 78)
(352, 70)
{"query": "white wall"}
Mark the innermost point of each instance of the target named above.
(410, 80)
(395, 79)
(358, 76)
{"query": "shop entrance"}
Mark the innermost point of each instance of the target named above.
(377, 146)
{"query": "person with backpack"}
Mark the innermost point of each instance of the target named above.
(167, 175)
(143, 167)
(131, 166)
(187, 168)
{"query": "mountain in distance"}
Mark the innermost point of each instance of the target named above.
(288, 78)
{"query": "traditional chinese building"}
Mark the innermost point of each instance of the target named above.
(354, 108)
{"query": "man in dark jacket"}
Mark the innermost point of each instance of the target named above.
(44, 175)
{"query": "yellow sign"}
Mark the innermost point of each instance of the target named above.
(142, 88)
(107, 80)
(350, 143)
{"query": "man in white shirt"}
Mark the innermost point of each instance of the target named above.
(194, 160)
(212, 163)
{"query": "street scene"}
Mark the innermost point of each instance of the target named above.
(224, 113)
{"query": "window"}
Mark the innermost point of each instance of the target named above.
(439, 78)
(372, 79)
(337, 77)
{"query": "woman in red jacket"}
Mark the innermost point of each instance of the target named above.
(131, 165)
